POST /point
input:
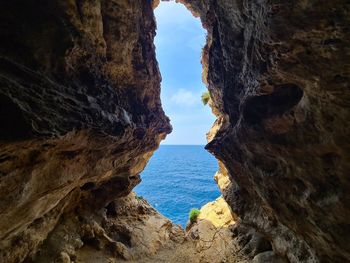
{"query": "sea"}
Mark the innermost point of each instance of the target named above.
(177, 179)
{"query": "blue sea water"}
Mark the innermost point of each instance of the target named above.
(178, 178)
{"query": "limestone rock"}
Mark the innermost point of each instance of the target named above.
(64, 258)
(267, 257)
(278, 75)
(80, 111)
(222, 178)
(127, 229)
(212, 234)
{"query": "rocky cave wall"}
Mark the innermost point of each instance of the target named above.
(80, 116)
(278, 75)
(80, 111)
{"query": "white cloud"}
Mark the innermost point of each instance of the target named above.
(184, 98)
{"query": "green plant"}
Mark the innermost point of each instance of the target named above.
(194, 213)
(139, 197)
(205, 97)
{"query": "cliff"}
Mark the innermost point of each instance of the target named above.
(80, 117)
(80, 112)
(278, 75)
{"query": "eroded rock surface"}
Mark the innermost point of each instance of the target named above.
(216, 237)
(212, 233)
(128, 229)
(80, 111)
(278, 75)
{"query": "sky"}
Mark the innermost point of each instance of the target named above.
(179, 42)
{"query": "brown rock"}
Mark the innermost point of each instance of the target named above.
(278, 75)
(80, 111)
(268, 257)
(128, 229)
(211, 232)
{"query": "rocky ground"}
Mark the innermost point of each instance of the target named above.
(130, 230)
(127, 229)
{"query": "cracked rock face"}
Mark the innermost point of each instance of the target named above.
(278, 74)
(79, 109)
(128, 229)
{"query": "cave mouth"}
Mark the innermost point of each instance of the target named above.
(180, 174)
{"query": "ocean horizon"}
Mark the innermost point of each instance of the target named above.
(179, 178)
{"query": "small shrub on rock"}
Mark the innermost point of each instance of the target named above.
(139, 197)
(205, 97)
(194, 213)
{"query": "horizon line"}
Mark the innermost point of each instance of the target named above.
(182, 144)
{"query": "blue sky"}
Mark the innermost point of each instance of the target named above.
(179, 41)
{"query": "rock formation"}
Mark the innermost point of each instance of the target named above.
(278, 74)
(80, 116)
(127, 229)
(80, 111)
(212, 233)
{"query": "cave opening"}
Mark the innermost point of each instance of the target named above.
(179, 176)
